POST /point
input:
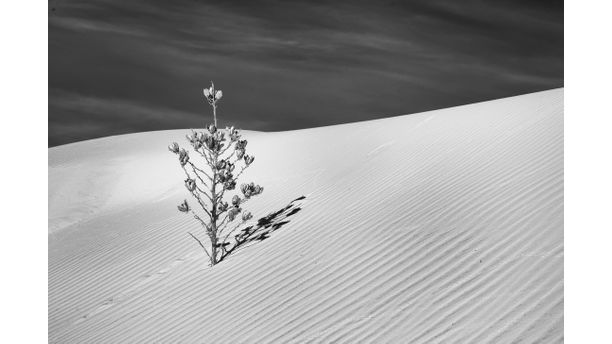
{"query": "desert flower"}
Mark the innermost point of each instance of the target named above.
(250, 190)
(174, 148)
(241, 144)
(217, 148)
(209, 141)
(184, 207)
(247, 216)
(221, 164)
(222, 206)
(233, 212)
(209, 93)
(224, 176)
(239, 153)
(196, 140)
(190, 184)
(183, 157)
(230, 185)
(233, 134)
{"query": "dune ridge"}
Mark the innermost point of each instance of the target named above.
(439, 227)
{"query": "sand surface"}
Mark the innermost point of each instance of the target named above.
(438, 227)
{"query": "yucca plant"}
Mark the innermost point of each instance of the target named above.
(222, 154)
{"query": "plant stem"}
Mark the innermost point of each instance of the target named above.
(213, 218)
(214, 106)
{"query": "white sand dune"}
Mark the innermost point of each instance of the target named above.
(438, 227)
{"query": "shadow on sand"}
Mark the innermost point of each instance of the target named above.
(263, 228)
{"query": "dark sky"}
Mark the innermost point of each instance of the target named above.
(122, 66)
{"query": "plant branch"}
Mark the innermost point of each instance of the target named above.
(203, 153)
(196, 170)
(241, 171)
(197, 197)
(231, 143)
(204, 193)
(222, 224)
(199, 242)
(201, 221)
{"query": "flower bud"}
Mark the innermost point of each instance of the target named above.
(250, 190)
(239, 153)
(209, 93)
(247, 216)
(222, 207)
(174, 148)
(221, 164)
(183, 157)
(212, 129)
(233, 212)
(241, 144)
(235, 200)
(184, 207)
(190, 184)
(248, 159)
(221, 177)
(230, 185)
(209, 141)
(233, 134)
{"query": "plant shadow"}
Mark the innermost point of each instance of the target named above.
(264, 227)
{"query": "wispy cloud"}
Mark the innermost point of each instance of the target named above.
(288, 65)
(84, 116)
